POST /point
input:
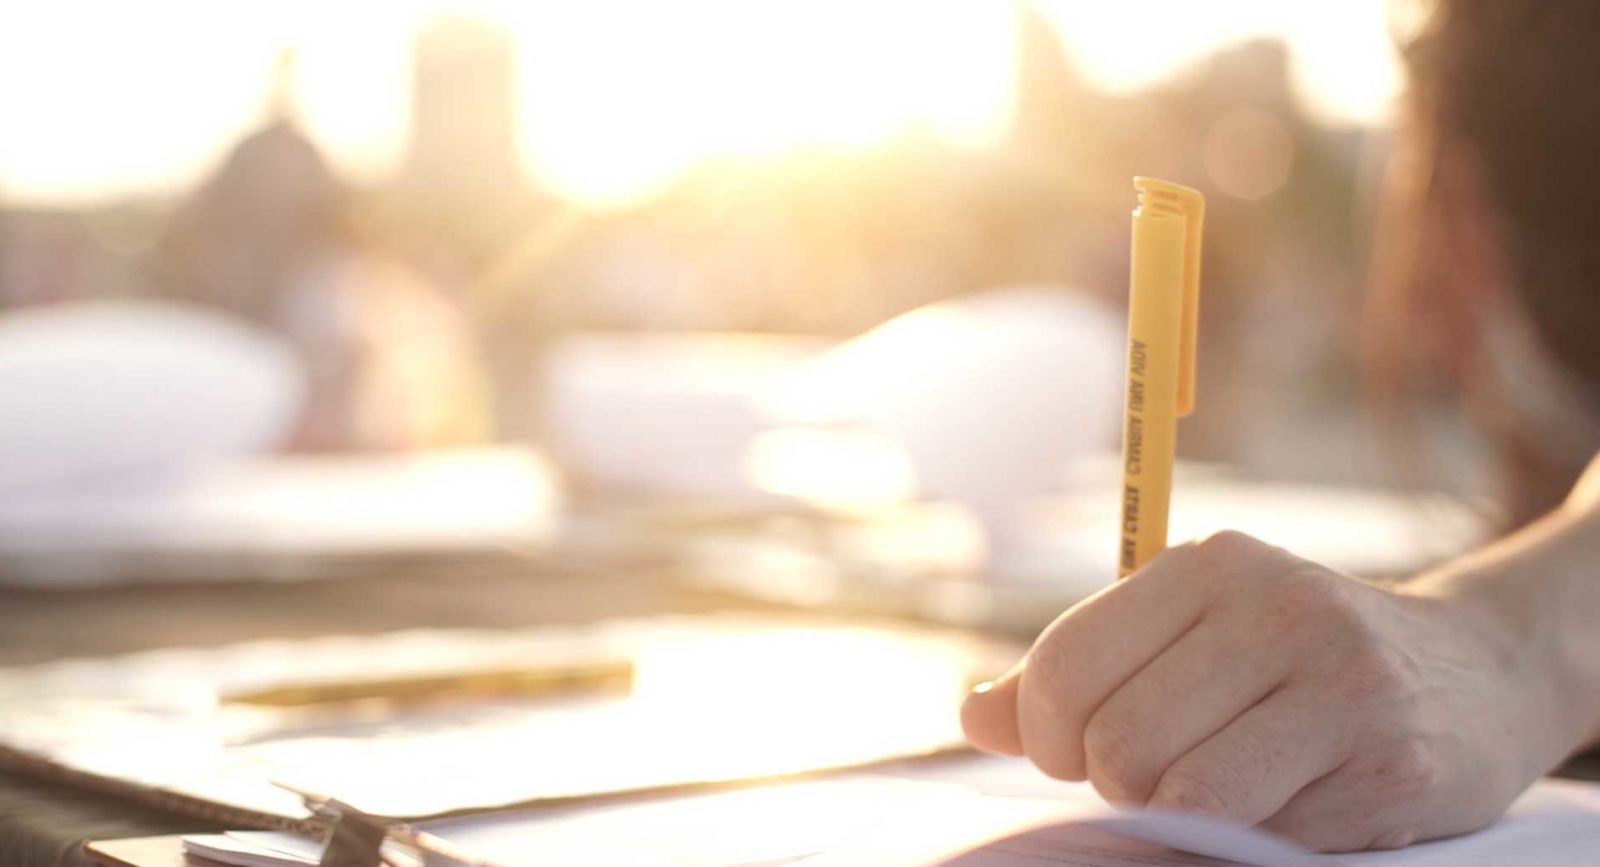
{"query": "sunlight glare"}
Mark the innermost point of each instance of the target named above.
(68, 90)
(842, 471)
(1343, 64)
(616, 99)
(612, 113)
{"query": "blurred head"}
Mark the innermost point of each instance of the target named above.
(1489, 251)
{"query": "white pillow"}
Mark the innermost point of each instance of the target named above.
(990, 394)
(100, 390)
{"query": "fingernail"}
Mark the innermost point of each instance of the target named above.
(982, 688)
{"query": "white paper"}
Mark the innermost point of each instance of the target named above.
(284, 843)
(1554, 823)
(274, 849)
(871, 821)
(248, 849)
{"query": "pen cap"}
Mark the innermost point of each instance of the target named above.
(1164, 198)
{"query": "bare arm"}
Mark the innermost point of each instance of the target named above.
(1542, 584)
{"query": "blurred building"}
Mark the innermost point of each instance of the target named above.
(45, 255)
(270, 237)
(1055, 112)
(461, 195)
(806, 241)
(463, 130)
(272, 207)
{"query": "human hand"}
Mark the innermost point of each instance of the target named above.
(1234, 679)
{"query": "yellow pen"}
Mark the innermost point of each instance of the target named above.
(1163, 301)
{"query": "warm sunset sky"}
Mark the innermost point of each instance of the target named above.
(109, 98)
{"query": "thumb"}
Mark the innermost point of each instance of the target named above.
(989, 715)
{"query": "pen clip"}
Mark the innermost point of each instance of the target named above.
(1192, 206)
(1194, 215)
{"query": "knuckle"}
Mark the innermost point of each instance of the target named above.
(1227, 546)
(1182, 555)
(1341, 830)
(1111, 749)
(1053, 651)
(1397, 838)
(1373, 671)
(1054, 763)
(1048, 683)
(1044, 719)
(1314, 836)
(1193, 792)
(1306, 601)
(1311, 591)
(1406, 771)
(1328, 838)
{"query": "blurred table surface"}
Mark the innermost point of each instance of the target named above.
(43, 824)
(162, 851)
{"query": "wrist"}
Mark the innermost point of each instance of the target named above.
(1522, 626)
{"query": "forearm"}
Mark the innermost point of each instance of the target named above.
(1541, 586)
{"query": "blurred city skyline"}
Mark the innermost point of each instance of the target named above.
(425, 292)
(703, 79)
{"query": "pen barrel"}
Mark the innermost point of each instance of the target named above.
(1149, 435)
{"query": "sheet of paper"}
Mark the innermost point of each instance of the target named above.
(248, 849)
(745, 827)
(812, 697)
(856, 820)
(1554, 823)
(988, 831)
(861, 820)
(287, 844)
(269, 849)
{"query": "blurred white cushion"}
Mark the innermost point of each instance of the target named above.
(114, 389)
(990, 395)
(663, 414)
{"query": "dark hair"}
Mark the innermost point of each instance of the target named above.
(1518, 82)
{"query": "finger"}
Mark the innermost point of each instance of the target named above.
(1094, 648)
(1369, 802)
(1251, 768)
(1215, 672)
(989, 717)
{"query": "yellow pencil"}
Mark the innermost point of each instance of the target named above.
(419, 689)
(1164, 293)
